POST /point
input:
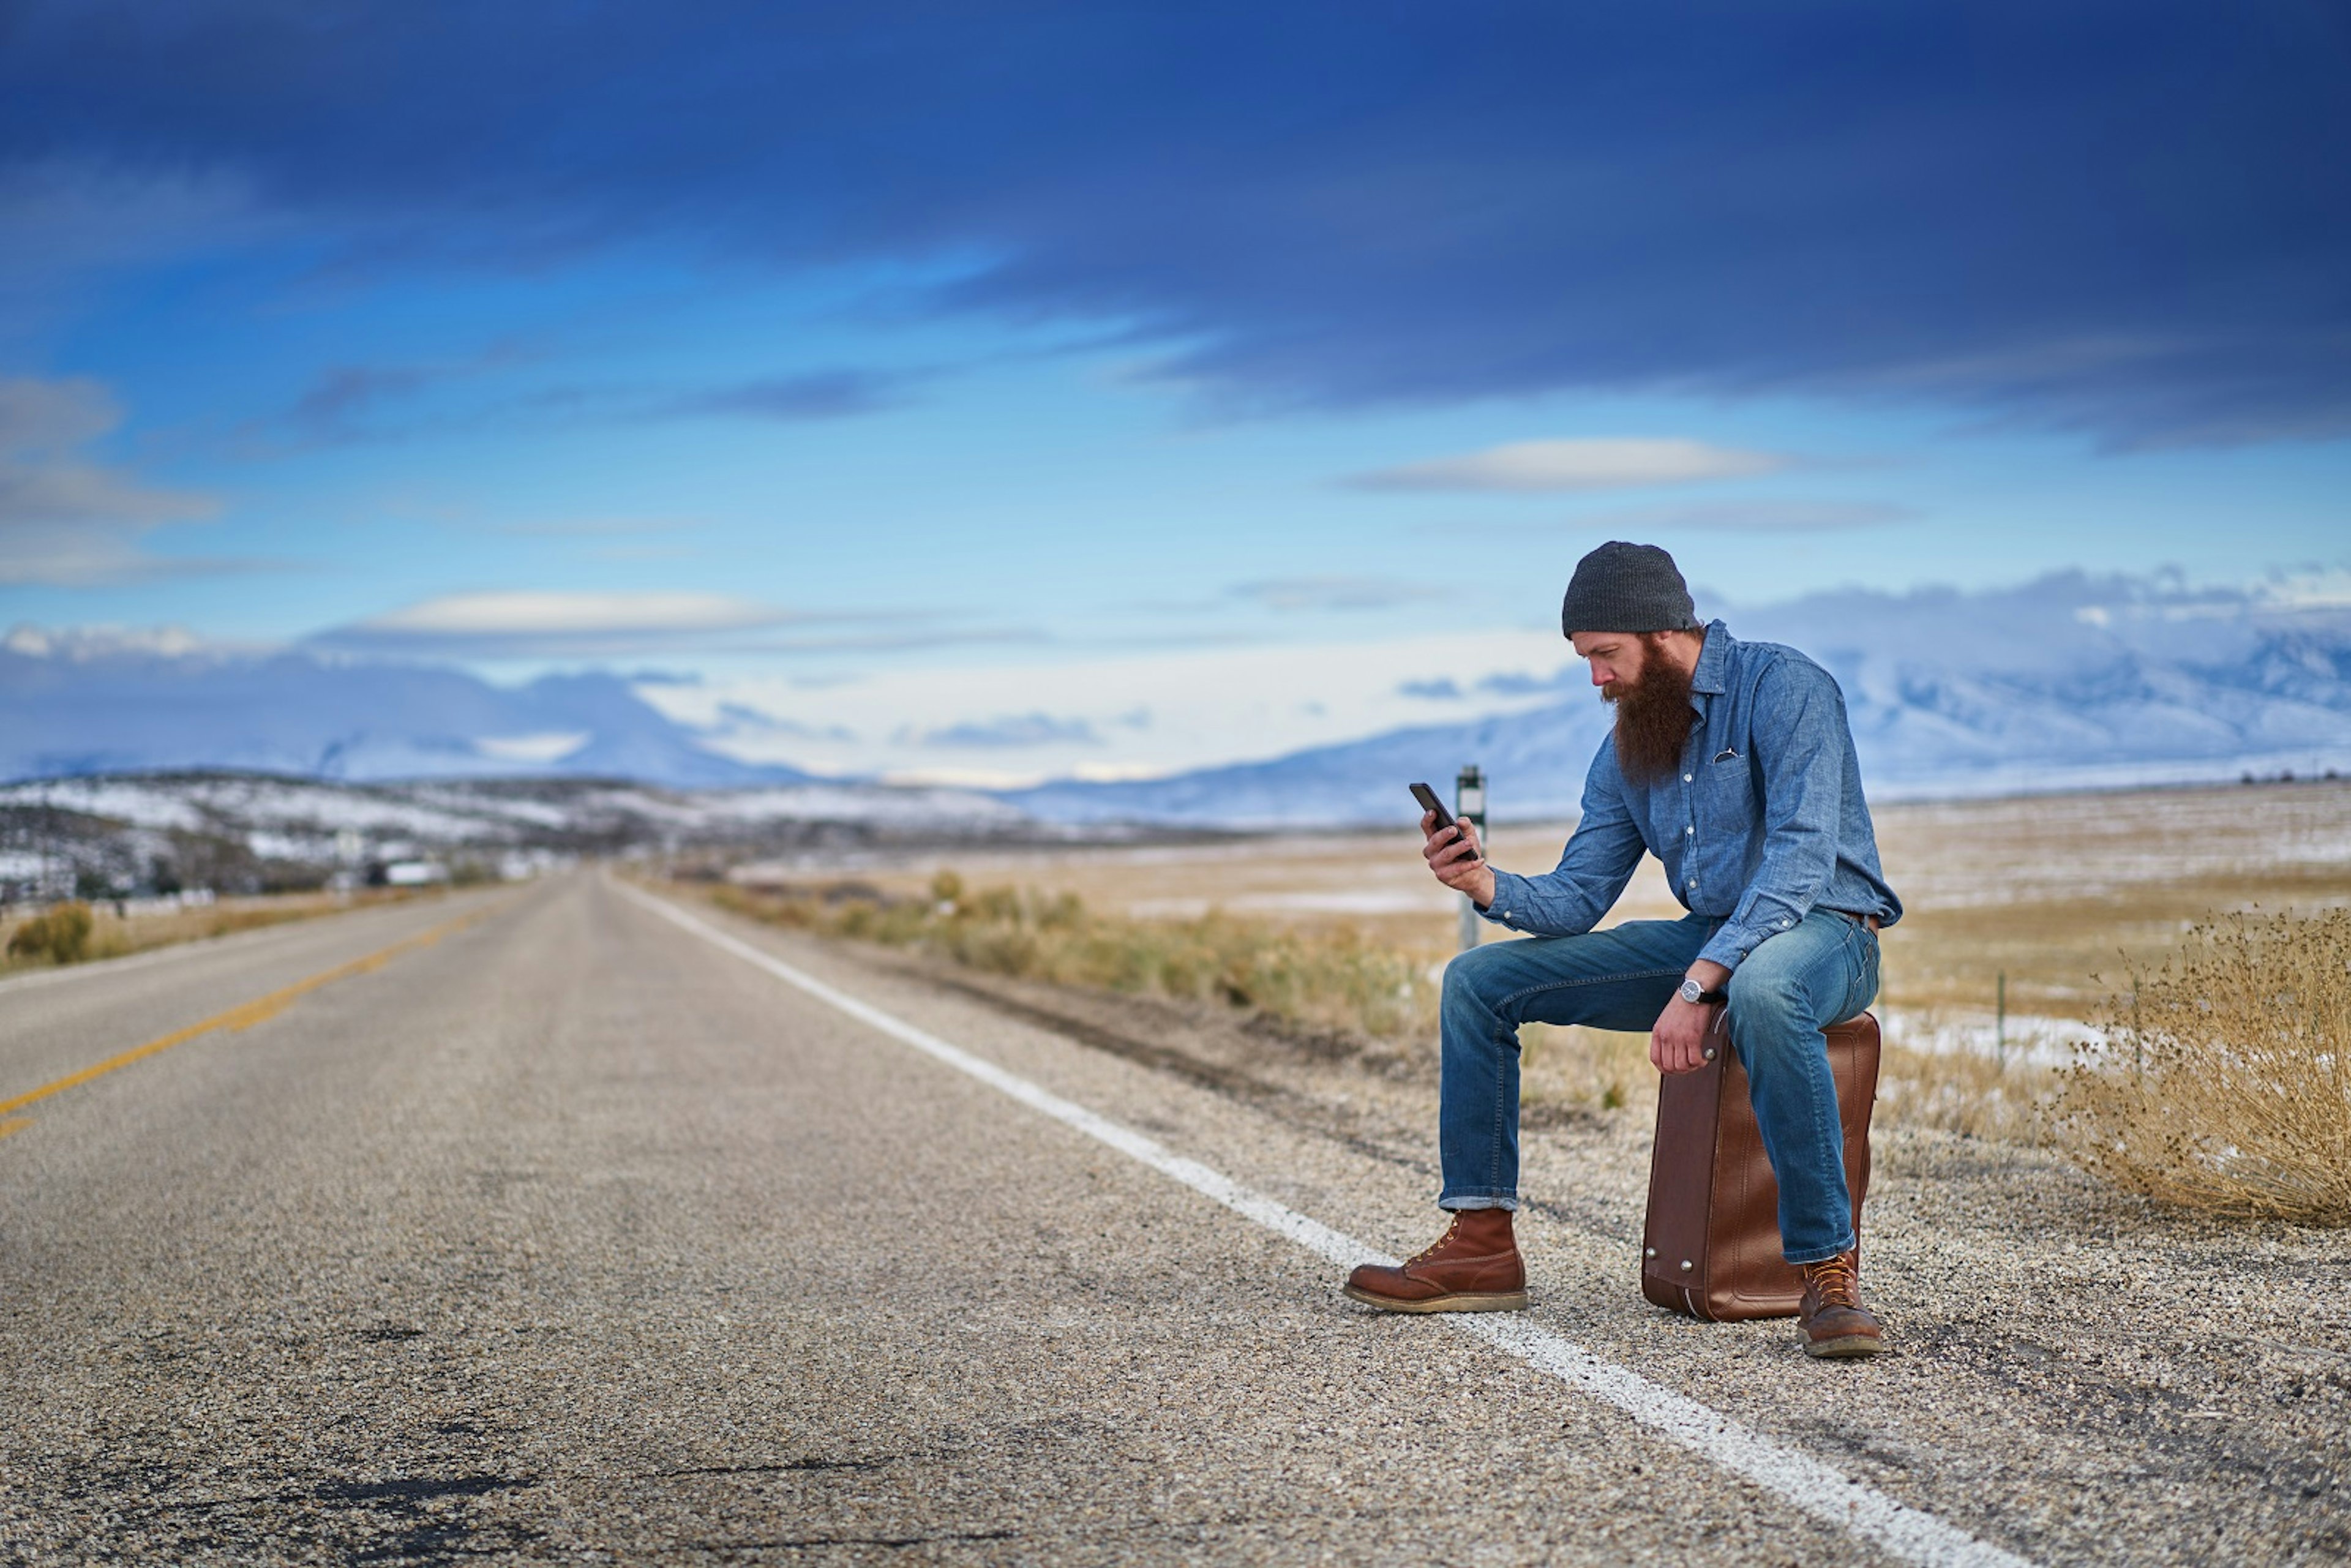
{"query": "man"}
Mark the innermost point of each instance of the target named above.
(1733, 763)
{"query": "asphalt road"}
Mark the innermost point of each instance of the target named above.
(567, 1233)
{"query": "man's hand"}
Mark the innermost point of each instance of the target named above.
(1454, 854)
(1679, 1042)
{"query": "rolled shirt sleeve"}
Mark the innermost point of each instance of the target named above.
(1801, 756)
(1599, 859)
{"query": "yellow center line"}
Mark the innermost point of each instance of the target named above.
(242, 1015)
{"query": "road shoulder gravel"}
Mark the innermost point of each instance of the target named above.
(2178, 1383)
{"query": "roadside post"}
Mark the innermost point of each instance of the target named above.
(2000, 1022)
(1470, 802)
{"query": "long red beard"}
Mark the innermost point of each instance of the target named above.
(1653, 718)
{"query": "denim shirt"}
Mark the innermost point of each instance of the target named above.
(1763, 822)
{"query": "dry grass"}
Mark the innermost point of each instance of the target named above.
(1333, 980)
(1330, 982)
(1966, 1093)
(112, 936)
(60, 933)
(2223, 1085)
(1590, 1071)
(2042, 891)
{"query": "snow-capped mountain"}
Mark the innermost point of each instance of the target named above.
(110, 702)
(2065, 683)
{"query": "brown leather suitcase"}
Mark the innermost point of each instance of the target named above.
(1710, 1248)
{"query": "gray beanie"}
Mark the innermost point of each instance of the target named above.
(1627, 588)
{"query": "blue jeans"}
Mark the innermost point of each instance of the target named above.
(1786, 993)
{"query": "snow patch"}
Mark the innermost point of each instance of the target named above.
(535, 749)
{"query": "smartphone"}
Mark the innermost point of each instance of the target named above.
(1429, 803)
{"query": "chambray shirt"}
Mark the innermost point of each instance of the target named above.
(1763, 822)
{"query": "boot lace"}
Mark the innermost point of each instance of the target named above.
(1835, 1281)
(1433, 1248)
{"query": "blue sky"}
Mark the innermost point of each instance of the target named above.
(989, 391)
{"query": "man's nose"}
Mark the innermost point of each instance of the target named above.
(1599, 676)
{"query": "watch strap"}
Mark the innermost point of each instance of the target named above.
(1700, 998)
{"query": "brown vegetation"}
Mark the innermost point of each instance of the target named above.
(2222, 1085)
(1968, 1093)
(1344, 933)
(1328, 981)
(1584, 1070)
(2043, 890)
(1332, 980)
(59, 936)
(2223, 1088)
(60, 933)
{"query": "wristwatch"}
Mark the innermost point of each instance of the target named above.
(1696, 996)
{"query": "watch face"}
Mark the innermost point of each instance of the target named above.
(1692, 991)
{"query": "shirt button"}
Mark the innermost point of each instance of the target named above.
(1685, 778)
(1690, 830)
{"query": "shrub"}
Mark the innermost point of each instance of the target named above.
(2222, 1084)
(60, 934)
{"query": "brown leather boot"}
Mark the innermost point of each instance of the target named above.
(1473, 1268)
(1834, 1322)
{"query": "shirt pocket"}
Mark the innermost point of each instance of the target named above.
(1726, 817)
(1728, 794)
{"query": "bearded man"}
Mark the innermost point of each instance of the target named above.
(1733, 763)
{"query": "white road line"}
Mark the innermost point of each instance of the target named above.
(1786, 1472)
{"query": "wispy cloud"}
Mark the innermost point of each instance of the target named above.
(1760, 517)
(77, 219)
(1013, 730)
(523, 623)
(1596, 462)
(1335, 592)
(1756, 517)
(913, 639)
(66, 518)
(738, 720)
(347, 403)
(594, 527)
(531, 614)
(814, 395)
(340, 394)
(642, 551)
(1518, 684)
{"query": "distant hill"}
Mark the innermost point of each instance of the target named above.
(100, 703)
(247, 832)
(2066, 682)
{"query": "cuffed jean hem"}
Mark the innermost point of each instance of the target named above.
(1813, 1256)
(1457, 1200)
